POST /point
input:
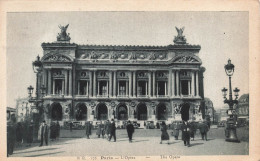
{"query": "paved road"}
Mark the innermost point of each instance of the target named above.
(146, 142)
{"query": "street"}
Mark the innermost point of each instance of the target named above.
(145, 143)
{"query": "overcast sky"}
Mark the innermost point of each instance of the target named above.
(222, 35)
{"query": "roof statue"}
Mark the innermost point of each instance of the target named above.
(63, 36)
(179, 39)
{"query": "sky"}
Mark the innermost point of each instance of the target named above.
(221, 35)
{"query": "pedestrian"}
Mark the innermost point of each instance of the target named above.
(193, 130)
(11, 135)
(130, 130)
(157, 125)
(164, 135)
(52, 131)
(185, 127)
(108, 129)
(43, 133)
(88, 129)
(71, 125)
(112, 130)
(30, 133)
(102, 127)
(57, 130)
(19, 133)
(203, 130)
(176, 130)
(98, 132)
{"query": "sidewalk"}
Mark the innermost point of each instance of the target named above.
(141, 146)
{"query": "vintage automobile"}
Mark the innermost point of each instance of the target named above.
(221, 123)
(150, 125)
(76, 125)
(136, 125)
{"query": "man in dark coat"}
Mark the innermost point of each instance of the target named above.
(11, 134)
(130, 130)
(193, 127)
(203, 130)
(71, 124)
(43, 132)
(185, 127)
(57, 130)
(88, 129)
(30, 133)
(108, 129)
(19, 133)
(113, 130)
(52, 131)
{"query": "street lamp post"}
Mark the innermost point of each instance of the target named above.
(37, 111)
(231, 128)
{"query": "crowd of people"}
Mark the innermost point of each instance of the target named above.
(188, 130)
(19, 134)
(108, 130)
(22, 132)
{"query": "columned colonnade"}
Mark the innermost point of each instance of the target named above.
(173, 83)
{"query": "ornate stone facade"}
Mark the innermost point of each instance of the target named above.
(94, 82)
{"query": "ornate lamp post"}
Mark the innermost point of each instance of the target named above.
(37, 111)
(231, 128)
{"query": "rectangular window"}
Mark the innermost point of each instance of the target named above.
(184, 87)
(82, 87)
(122, 88)
(161, 88)
(58, 86)
(103, 88)
(141, 89)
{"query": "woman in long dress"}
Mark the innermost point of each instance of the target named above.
(165, 135)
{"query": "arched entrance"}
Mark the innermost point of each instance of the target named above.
(161, 112)
(185, 111)
(122, 112)
(81, 112)
(102, 111)
(56, 111)
(141, 112)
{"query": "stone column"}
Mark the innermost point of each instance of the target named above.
(94, 84)
(62, 89)
(53, 86)
(150, 83)
(188, 87)
(107, 90)
(45, 77)
(134, 83)
(78, 87)
(154, 83)
(66, 82)
(127, 88)
(165, 87)
(87, 94)
(178, 83)
(70, 82)
(114, 85)
(192, 83)
(173, 83)
(98, 88)
(170, 83)
(90, 84)
(146, 89)
(49, 82)
(110, 83)
(130, 84)
(197, 83)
